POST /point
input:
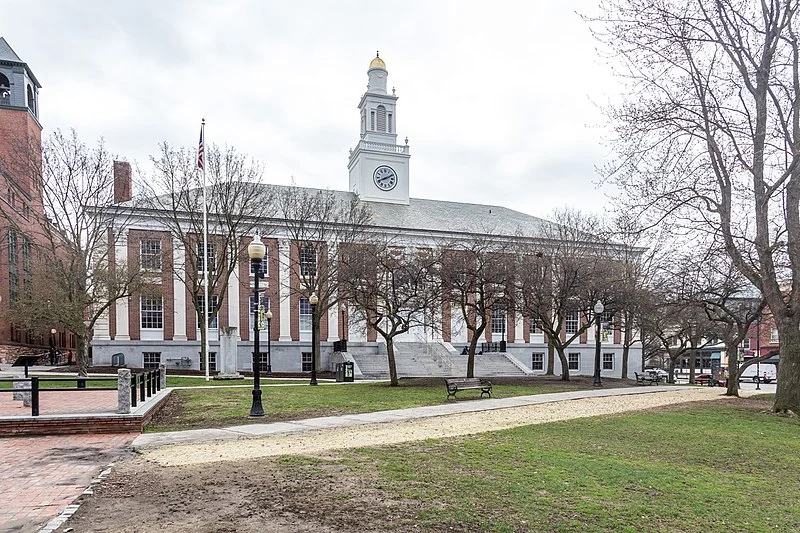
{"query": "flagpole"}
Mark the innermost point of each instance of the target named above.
(206, 302)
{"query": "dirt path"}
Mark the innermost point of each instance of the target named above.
(324, 440)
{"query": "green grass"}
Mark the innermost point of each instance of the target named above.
(208, 408)
(709, 467)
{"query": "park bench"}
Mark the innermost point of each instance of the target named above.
(641, 379)
(456, 384)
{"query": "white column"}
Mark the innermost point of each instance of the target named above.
(333, 323)
(233, 300)
(178, 291)
(519, 334)
(284, 280)
(121, 254)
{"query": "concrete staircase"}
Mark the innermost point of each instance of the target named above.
(433, 359)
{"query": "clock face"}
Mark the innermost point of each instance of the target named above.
(385, 178)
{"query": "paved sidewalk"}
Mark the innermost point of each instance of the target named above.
(41, 476)
(149, 440)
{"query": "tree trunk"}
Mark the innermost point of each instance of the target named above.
(551, 358)
(392, 364)
(671, 367)
(625, 352)
(82, 357)
(733, 370)
(564, 364)
(787, 395)
(692, 365)
(473, 344)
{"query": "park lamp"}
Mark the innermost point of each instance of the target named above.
(598, 311)
(313, 300)
(256, 249)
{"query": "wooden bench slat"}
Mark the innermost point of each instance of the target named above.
(456, 384)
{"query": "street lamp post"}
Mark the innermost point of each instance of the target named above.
(256, 250)
(313, 300)
(269, 342)
(758, 354)
(53, 346)
(598, 310)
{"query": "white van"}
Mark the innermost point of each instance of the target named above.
(765, 372)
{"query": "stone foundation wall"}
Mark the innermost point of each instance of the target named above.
(10, 352)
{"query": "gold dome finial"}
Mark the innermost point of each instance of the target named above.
(377, 62)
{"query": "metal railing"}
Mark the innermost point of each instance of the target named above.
(142, 386)
(487, 347)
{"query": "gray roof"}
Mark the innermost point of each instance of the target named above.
(7, 53)
(423, 215)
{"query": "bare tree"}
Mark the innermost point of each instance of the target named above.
(320, 224)
(476, 277)
(393, 287)
(235, 200)
(708, 137)
(561, 277)
(70, 276)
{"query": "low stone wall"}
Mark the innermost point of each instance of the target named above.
(10, 352)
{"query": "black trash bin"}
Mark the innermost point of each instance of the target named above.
(349, 371)
(339, 372)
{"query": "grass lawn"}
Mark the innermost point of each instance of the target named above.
(209, 408)
(725, 466)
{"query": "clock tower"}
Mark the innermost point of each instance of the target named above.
(378, 165)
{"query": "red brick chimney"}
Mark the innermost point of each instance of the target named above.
(123, 183)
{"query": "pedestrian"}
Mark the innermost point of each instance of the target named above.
(69, 357)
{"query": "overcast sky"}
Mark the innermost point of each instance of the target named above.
(500, 100)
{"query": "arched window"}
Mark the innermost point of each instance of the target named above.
(381, 118)
(31, 100)
(5, 90)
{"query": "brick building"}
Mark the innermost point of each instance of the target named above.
(163, 328)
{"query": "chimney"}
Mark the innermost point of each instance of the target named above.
(123, 184)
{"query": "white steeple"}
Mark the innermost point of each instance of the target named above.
(378, 166)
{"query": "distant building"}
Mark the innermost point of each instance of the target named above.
(20, 199)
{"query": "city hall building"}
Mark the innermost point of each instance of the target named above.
(162, 329)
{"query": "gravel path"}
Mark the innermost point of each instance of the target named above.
(324, 440)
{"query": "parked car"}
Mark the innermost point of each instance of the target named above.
(703, 379)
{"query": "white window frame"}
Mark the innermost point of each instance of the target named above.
(305, 322)
(574, 358)
(746, 343)
(212, 257)
(572, 322)
(252, 311)
(537, 359)
(773, 336)
(307, 257)
(154, 307)
(214, 306)
(607, 362)
(498, 321)
(150, 255)
(305, 361)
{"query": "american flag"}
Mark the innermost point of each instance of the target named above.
(201, 148)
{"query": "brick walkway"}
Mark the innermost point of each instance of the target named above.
(61, 403)
(40, 476)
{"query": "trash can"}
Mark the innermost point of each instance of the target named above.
(349, 371)
(339, 372)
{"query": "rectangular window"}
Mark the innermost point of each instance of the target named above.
(574, 361)
(262, 326)
(537, 361)
(26, 255)
(746, 344)
(212, 361)
(13, 284)
(306, 361)
(308, 261)
(264, 268)
(262, 361)
(213, 323)
(150, 254)
(608, 361)
(389, 118)
(571, 322)
(607, 319)
(212, 258)
(152, 312)
(12, 247)
(151, 359)
(305, 316)
(773, 336)
(498, 320)
(534, 326)
(372, 120)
